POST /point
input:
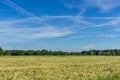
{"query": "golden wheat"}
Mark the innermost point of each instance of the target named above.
(60, 68)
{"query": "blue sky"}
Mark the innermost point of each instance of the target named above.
(68, 25)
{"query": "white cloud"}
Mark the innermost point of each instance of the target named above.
(82, 36)
(47, 32)
(97, 35)
(14, 29)
(107, 35)
(89, 47)
(104, 5)
(11, 31)
(117, 29)
(114, 21)
(35, 27)
(17, 8)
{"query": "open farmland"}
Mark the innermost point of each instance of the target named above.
(59, 68)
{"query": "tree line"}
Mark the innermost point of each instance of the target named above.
(114, 52)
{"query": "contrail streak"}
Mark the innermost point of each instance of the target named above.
(18, 8)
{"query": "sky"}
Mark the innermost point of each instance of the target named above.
(67, 25)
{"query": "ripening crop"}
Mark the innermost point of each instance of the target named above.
(60, 68)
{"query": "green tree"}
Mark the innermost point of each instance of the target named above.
(7, 52)
(44, 52)
(30, 52)
(37, 52)
(1, 51)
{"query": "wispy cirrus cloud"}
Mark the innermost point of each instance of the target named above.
(103, 5)
(9, 31)
(113, 21)
(18, 8)
(49, 27)
(117, 29)
(15, 28)
(108, 35)
(32, 18)
(81, 36)
(11, 28)
(89, 47)
(97, 35)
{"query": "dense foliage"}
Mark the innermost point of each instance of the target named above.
(1, 51)
(46, 52)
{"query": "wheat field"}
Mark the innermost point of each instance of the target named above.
(59, 68)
